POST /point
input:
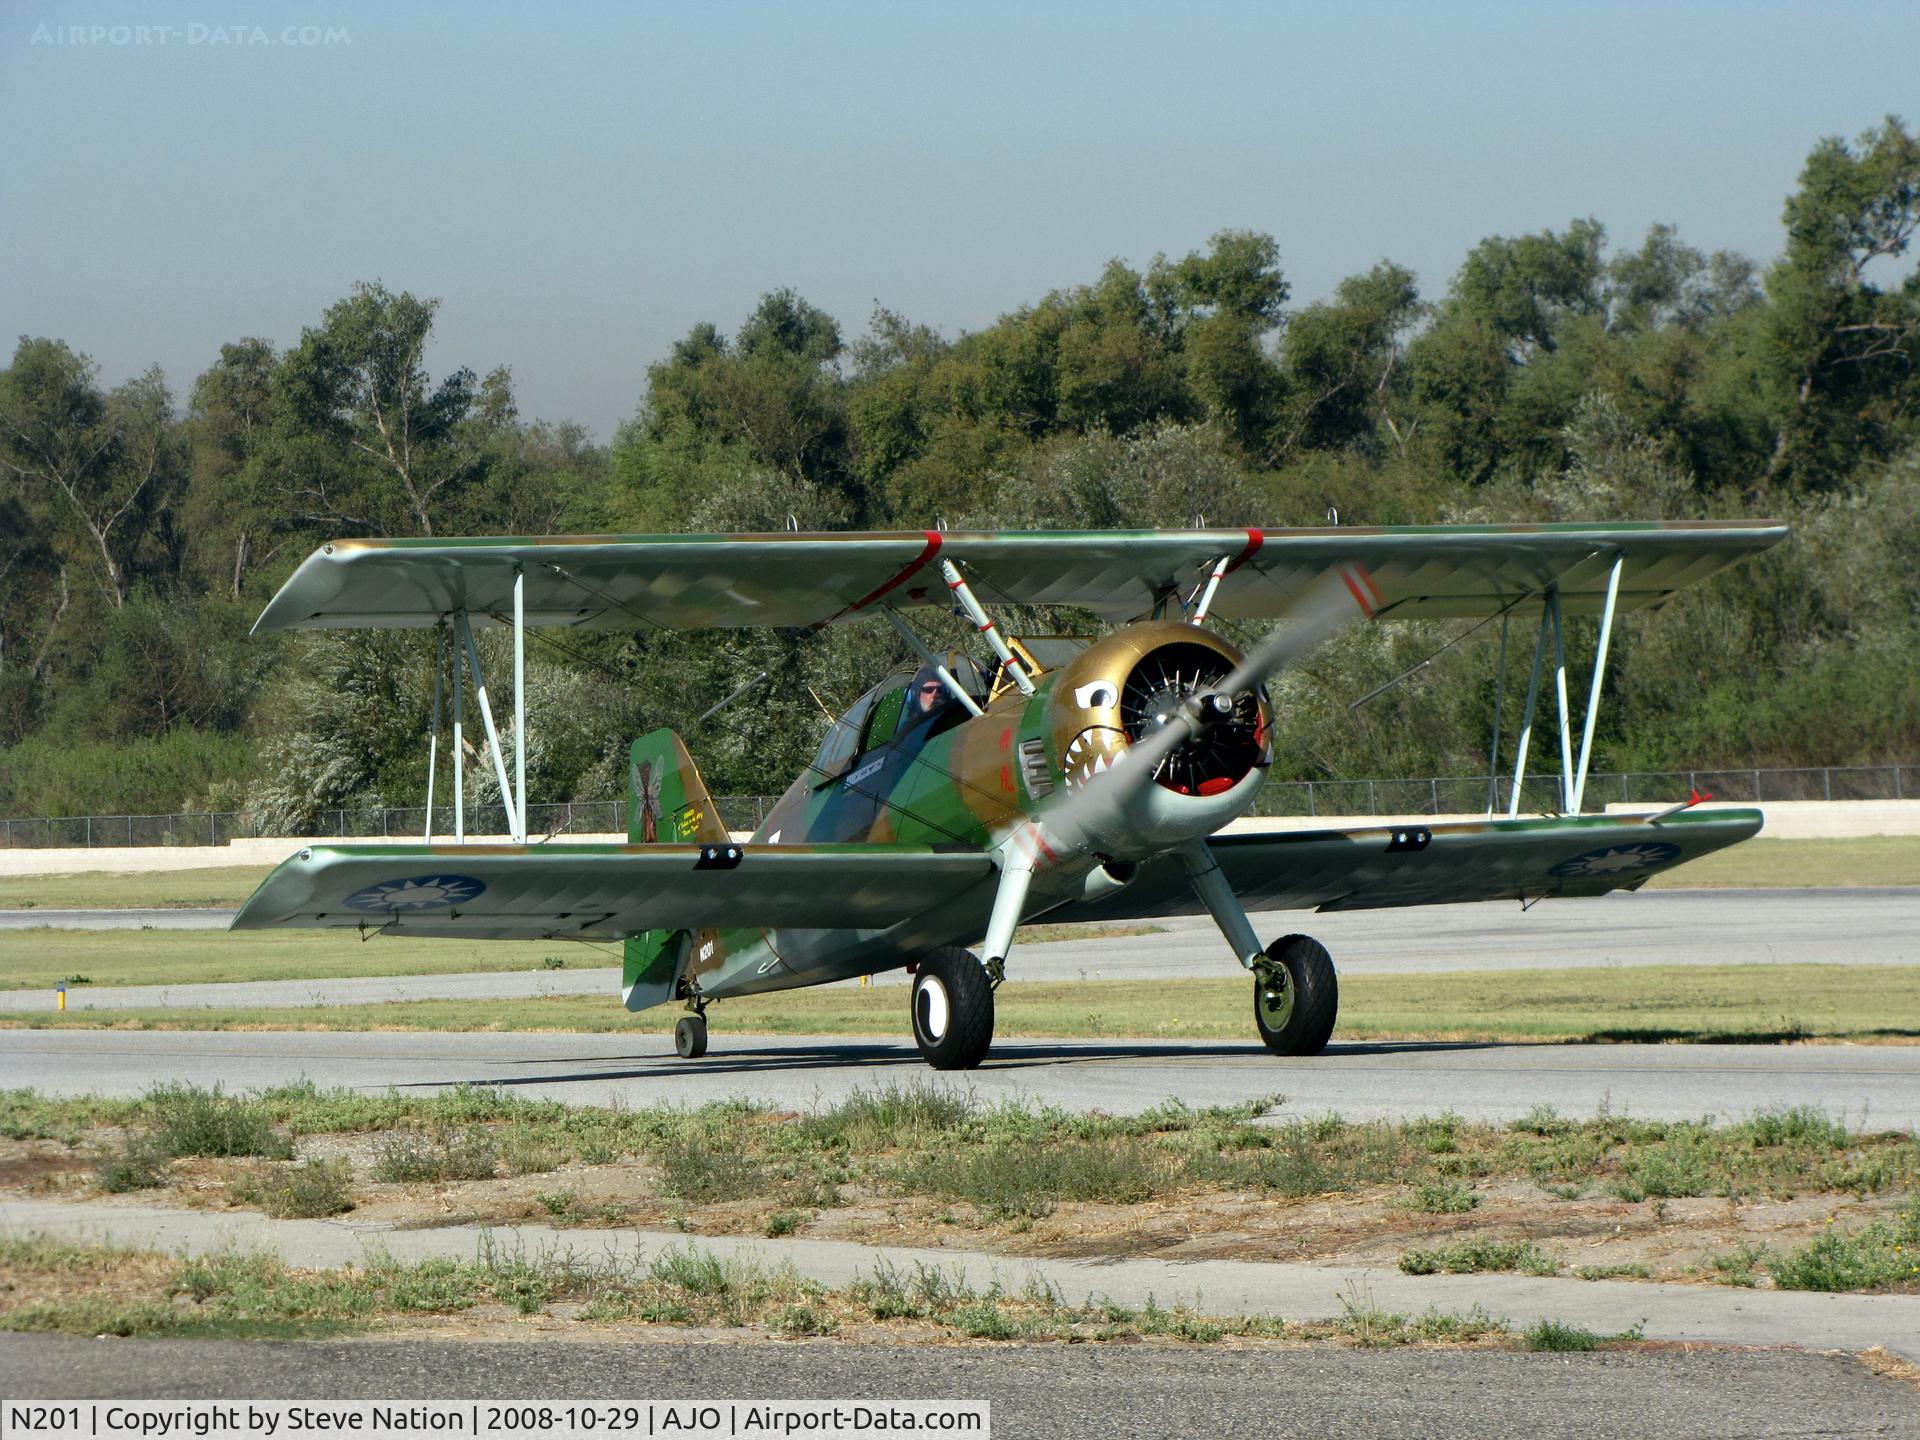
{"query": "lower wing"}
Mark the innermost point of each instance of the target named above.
(1413, 864)
(605, 892)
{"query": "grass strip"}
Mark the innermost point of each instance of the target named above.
(46, 1285)
(1759, 1004)
(1868, 860)
(1005, 1163)
(219, 887)
(39, 959)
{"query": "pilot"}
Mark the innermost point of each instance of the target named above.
(927, 695)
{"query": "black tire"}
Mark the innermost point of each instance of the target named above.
(952, 1009)
(1302, 1022)
(690, 1037)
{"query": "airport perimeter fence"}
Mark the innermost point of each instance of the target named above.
(1435, 795)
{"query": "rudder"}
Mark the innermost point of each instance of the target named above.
(667, 804)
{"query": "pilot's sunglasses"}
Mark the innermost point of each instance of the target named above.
(933, 689)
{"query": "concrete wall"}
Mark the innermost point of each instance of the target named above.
(126, 859)
(1823, 819)
(1786, 820)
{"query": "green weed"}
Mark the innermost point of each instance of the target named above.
(445, 1154)
(1555, 1336)
(311, 1190)
(1471, 1256)
(187, 1120)
(1611, 1272)
(1884, 1256)
(139, 1164)
(1442, 1197)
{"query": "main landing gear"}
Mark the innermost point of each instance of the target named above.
(952, 1009)
(1295, 996)
(690, 1037)
(1295, 992)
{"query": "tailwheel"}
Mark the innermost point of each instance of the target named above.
(1295, 996)
(690, 1037)
(952, 1009)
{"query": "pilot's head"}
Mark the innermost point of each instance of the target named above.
(927, 693)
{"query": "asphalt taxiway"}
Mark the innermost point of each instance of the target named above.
(1061, 1391)
(1876, 1085)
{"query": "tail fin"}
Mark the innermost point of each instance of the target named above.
(668, 803)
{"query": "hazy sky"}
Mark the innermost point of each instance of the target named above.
(579, 183)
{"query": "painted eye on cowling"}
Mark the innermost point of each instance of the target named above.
(1097, 693)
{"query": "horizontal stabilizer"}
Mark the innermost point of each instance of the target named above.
(1413, 864)
(605, 892)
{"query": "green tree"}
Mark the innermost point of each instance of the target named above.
(357, 383)
(1340, 363)
(236, 516)
(773, 398)
(1840, 354)
(100, 467)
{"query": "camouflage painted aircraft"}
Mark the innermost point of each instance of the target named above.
(1060, 780)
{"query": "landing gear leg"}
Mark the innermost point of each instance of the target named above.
(1009, 901)
(1295, 992)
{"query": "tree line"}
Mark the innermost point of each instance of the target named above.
(1555, 377)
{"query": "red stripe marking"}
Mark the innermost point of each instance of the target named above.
(1353, 589)
(934, 541)
(1255, 539)
(1372, 589)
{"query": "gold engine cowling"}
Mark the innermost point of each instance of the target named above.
(1114, 694)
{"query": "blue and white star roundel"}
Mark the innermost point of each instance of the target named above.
(415, 894)
(1616, 859)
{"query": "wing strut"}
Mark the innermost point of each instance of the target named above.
(520, 699)
(1573, 778)
(1220, 568)
(1599, 673)
(927, 657)
(433, 735)
(513, 799)
(1009, 662)
(459, 678)
(1499, 709)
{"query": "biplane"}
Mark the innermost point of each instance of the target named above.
(1009, 780)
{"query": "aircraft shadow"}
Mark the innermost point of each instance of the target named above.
(849, 1055)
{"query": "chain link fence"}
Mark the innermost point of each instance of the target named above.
(1436, 795)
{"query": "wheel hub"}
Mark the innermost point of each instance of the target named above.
(1276, 996)
(934, 1009)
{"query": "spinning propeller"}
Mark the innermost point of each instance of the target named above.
(1182, 719)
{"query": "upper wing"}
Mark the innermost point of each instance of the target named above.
(605, 892)
(1412, 864)
(681, 582)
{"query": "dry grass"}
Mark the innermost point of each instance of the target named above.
(50, 1286)
(1790, 1197)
